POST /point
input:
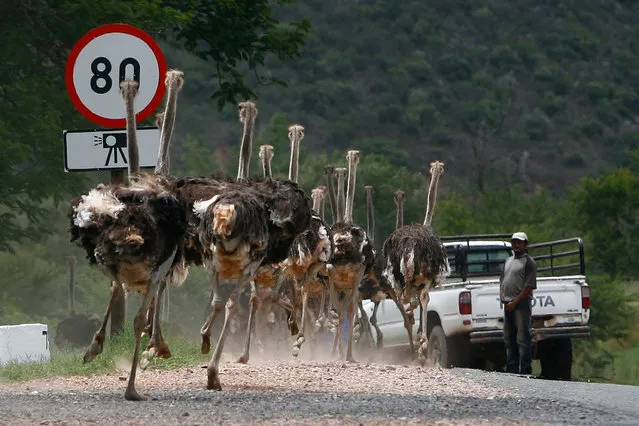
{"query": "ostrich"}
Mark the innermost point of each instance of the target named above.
(415, 259)
(267, 277)
(133, 232)
(309, 255)
(369, 286)
(174, 82)
(247, 112)
(352, 255)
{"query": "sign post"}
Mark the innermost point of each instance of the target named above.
(96, 65)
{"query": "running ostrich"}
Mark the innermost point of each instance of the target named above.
(247, 112)
(250, 224)
(157, 346)
(415, 259)
(308, 257)
(352, 255)
(133, 232)
(369, 286)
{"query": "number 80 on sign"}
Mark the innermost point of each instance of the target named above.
(101, 59)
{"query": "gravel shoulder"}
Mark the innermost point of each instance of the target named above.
(313, 392)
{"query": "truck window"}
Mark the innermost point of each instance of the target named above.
(480, 260)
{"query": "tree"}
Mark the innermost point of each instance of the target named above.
(235, 36)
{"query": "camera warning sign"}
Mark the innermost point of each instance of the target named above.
(86, 150)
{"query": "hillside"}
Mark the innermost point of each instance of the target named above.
(533, 92)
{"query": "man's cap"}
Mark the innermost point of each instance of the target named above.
(519, 236)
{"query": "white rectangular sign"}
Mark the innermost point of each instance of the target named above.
(107, 149)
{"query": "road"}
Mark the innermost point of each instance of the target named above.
(315, 392)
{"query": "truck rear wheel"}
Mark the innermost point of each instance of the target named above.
(437, 349)
(555, 356)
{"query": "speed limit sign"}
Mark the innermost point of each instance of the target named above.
(101, 59)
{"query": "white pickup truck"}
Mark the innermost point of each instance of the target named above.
(465, 315)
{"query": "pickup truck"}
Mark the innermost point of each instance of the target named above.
(465, 314)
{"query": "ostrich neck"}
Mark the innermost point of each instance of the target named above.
(321, 207)
(432, 199)
(295, 158)
(245, 149)
(370, 216)
(341, 198)
(317, 201)
(131, 136)
(331, 192)
(266, 167)
(399, 220)
(163, 165)
(350, 193)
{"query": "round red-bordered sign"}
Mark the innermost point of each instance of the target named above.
(100, 59)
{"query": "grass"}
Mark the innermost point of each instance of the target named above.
(116, 352)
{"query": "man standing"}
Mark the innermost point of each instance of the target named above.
(517, 282)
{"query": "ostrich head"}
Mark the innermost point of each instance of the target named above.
(318, 194)
(295, 135)
(436, 170)
(174, 82)
(159, 119)
(248, 113)
(370, 213)
(329, 171)
(129, 90)
(353, 160)
(399, 202)
(266, 155)
(340, 172)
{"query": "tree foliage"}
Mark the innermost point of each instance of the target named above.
(235, 36)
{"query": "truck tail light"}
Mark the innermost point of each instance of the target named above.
(585, 297)
(465, 303)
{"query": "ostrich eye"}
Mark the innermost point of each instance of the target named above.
(290, 134)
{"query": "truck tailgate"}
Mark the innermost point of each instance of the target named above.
(553, 296)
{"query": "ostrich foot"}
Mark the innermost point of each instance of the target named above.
(94, 350)
(213, 381)
(421, 352)
(298, 344)
(132, 395)
(351, 359)
(357, 331)
(206, 344)
(243, 359)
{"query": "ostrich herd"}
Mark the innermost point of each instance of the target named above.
(266, 235)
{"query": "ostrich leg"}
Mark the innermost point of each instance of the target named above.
(424, 298)
(300, 336)
(218, 305)
(157, 347)
(351, 314)
(378, 332)
(139, 322)
(213, 380)
(254, 304)
(98, 338)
